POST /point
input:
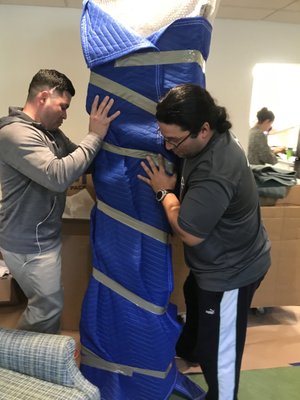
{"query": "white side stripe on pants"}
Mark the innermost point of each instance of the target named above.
(227, 348)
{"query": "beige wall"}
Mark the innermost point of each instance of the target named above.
(40, 37)
(236, 47)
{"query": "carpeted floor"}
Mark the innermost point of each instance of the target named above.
(263, 384)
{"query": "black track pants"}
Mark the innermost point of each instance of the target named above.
(214, 335)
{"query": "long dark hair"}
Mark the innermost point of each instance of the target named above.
(189, 106)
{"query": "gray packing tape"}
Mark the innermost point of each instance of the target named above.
(91, 359)
(132, 297)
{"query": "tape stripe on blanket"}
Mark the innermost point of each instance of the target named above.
(122, 91)
(133, 223)
(162, 57)
(132, 297)
(93, 360)
(141, 154)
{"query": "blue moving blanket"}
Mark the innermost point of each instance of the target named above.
(128, 328)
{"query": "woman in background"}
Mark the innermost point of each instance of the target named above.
(259, 152)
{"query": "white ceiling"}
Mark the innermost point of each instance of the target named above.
(286, 11)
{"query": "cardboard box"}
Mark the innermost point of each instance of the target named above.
(80, 199)
(9, 291)
(281, 286)
(76, 269)
(292, 198)
(5, 289)
(84, 182)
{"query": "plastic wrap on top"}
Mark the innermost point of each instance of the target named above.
(147, 16)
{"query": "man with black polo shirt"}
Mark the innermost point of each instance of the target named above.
(218, 219)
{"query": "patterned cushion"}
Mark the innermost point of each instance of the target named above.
(14, 385)
(44, 356)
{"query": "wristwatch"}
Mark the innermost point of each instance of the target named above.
(161, 194)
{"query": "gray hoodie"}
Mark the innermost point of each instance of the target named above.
(36, 168)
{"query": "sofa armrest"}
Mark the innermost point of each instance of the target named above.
(44, 356)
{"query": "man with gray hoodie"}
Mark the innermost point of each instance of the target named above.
(37, 165)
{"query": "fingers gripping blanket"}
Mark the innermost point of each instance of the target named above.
(128, 328)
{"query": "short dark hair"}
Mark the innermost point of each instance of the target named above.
(49, 79)
(264, 114)
(190, 106)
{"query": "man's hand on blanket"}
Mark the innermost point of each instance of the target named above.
(99, 118)
(157, 177)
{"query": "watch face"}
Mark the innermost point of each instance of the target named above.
(160, 195)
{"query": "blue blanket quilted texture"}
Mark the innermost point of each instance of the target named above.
(128, 327)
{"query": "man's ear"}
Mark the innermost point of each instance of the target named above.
(205, 130)
(43, 96)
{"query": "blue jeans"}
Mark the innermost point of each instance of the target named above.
(39, 276)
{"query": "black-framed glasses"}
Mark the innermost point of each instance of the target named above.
(175, 145)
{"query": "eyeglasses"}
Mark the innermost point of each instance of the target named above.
(175, 145)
